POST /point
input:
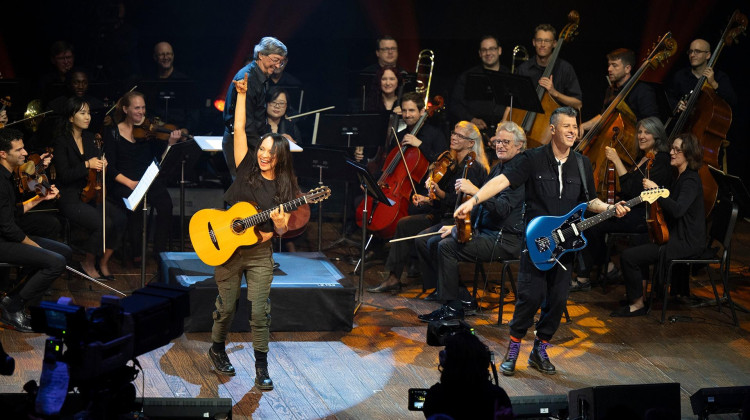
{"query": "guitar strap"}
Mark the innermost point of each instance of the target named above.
(579, 159)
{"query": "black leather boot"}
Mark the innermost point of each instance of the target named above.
(221, 362)
(262, 380)
(509, 362)
(539, 360)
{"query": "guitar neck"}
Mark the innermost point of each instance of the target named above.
(263, 216)
(595, 220)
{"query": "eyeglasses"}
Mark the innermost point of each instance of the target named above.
(676, 150)
(505, 143)
(543, 41)
(388, 49)
(461, 136)
(277, 104)
(690, 52)
(487, 50)
(276, 60)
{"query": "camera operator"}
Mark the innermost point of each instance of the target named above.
(465, 390)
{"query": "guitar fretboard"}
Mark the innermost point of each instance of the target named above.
(263, 216)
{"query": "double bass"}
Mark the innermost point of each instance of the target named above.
(708, 116)
(536, 125)
(403, 166)
(618, 115)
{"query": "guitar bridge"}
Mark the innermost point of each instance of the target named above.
(542, 244)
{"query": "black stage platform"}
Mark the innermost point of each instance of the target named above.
(306, 293)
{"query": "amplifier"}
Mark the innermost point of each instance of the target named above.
(188, 408)
(540, 407)
(720, 400)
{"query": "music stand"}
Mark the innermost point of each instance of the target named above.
(132, 201)
(371, 188)
(177, 93)
(503, 89)
(345, 131)
(311, 165)
(180, 156)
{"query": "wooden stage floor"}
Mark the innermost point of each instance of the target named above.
(366, 373)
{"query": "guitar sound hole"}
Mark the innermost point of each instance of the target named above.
(237, 226)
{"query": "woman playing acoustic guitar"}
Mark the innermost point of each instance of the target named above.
(266, 178)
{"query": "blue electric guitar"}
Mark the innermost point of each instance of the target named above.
(549, 237)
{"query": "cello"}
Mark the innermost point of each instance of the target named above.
(708, 116)
(535, 125)
(619, 115)
(403, 166)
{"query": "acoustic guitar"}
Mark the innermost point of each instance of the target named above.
(216, 234)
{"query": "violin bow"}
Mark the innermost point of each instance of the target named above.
(615, 137)
(104, 207)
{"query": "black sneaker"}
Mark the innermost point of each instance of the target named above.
(262, 379)
(539, 360)
(221, 362)
(509, 362)
(445, 313)
(470, 307)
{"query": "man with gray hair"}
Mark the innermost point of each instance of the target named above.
(498, 229)
(268, 55)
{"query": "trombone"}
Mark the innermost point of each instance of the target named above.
(425, 64)
(523, 56)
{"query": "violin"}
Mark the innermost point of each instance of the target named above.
(154, 130)
(93, 189)
(463, 223)
(32, 177)
(657, 226)
(446, 163)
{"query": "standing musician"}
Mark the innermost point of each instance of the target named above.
(652, 144)
(485, 114)
(128, 158)
(498, 229)
(76, 156)
(264, 176)
(47, 257)
(552, 178)
(464, 140)
(641, 100)
(277, 103)
(684, 213)
(684, 80)
(562, 85)
(268, 55)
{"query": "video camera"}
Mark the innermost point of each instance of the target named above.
(89, 349)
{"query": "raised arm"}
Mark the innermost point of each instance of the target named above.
(240, 137)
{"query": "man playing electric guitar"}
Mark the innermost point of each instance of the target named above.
(552, 176)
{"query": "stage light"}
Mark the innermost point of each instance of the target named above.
(219, 105)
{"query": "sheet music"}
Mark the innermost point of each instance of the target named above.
(209, 143)
(143, 185)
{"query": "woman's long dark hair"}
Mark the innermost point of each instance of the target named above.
(692, 149)
(375, 93)
(286, 182)
(72, 106)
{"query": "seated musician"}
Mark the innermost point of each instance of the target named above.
(685, 79)
(464, 140)
(641, 100)
(485, 114)
(562, 85)
(383, 92)
(652, 139)
(498, 232)
(277, 102)
(44, 255)
(127, 161)
(685, 217)
(76, 154)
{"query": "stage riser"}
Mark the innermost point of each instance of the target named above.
(305, 294)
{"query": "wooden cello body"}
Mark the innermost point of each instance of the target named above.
(536, 125)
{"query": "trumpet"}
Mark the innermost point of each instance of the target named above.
(425, 63)
(524, 55)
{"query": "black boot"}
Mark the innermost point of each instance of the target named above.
(509, 362)
(13, 315)
(262, 380)
(221, 361)
(539, 360)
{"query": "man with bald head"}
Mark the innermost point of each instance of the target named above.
(685, 79)
(164, 58)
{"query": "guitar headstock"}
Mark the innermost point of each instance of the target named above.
(318, 194)
(571, 29)
(653, 194)
(740, 20)
(662, 50)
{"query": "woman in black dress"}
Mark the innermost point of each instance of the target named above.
(77, 153)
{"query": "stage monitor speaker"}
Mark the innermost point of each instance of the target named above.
(630, 402)
(722, 400)
(540, 407)
(188, 408)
